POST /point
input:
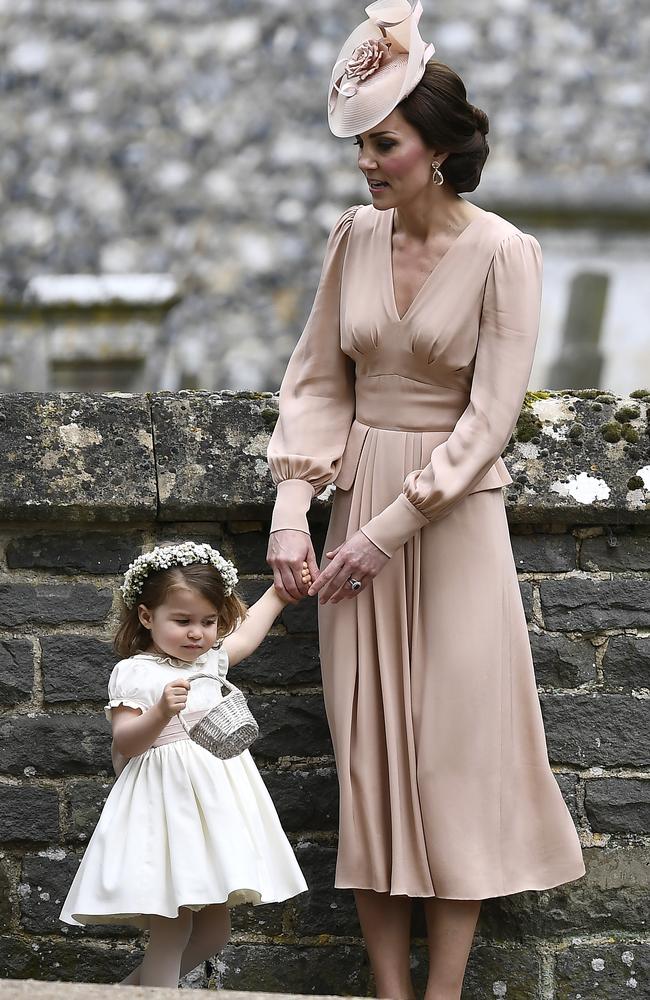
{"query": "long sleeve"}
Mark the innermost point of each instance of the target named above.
(506, 345)
(316, 398)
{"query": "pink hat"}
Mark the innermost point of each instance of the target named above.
(380, 63)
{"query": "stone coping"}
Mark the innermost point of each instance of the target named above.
(577, 456)
(31, 989)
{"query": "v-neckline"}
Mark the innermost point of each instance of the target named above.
(429, 277)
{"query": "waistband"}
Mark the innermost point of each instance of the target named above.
(174, 731)
(395, 402)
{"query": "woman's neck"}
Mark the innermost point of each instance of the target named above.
(432, 212)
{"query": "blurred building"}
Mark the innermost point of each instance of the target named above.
(167, 181)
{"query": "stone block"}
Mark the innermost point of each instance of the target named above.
(301, 617)
(567, 783)
(626, 663)
(52, 604)
(16, 671)
(45, 881)
(290, 725)
(491, 972)
(252, 590)
(631, 552)
(603, 730)
(260, 921)
(613, 894)
(84, 802)
(527, 599)
(76, 668)
(194, 482)
(28, 812)
(248, 542)
(305, 800)
(76, 456)
(618, 805)
(5, 902)
(49, 959)
(581, 605)
(607, 971)
(323, 909)
(341, 970)
(55, 745)
(74, 552)
(561, 662)
(282, 660)
(544, 553)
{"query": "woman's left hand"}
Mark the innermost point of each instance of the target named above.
(358, 558)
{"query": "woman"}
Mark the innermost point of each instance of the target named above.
(403, 391)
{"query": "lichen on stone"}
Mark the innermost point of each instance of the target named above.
(635, 483)
(630, 434)
(528, 426)
(640, 393)
(577, 431)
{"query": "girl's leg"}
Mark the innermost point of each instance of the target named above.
(168, 939)
(386, 925)
(210, 933)
(450, 930)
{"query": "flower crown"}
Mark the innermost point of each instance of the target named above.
(167, 556)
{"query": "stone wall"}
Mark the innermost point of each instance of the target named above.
(86, 480)
(189, 140)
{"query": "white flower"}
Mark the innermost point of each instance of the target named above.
(166, 556)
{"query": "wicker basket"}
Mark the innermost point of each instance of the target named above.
(227, 729)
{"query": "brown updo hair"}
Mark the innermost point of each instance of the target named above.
(132, 637)
(440, 112)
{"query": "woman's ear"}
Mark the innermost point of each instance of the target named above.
(145, 616)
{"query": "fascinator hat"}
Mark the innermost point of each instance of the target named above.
(381, 62)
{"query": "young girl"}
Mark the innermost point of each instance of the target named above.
(183, 836)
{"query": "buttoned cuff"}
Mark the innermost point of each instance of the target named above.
(291, 505)
(394, 525)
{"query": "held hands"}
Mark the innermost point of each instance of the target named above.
(288, 554)
(174, 697)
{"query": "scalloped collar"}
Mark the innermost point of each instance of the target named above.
(173, 661)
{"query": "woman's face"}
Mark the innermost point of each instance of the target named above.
(395, 161)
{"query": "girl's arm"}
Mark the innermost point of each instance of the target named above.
(134, 731)
(257, 623)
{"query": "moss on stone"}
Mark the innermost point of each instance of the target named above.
(606, 397)
(585, 393)
(528, 426)
(627, 413)
(630, 434)
(577, 431)
(635, 483)
(611, 432)
(270, 416)
(640, 393)
(532, 397)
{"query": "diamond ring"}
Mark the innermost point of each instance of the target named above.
(355, 584)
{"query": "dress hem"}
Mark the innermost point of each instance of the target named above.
(435, 895)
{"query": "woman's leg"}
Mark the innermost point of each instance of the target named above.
(210, 933)
(450, 930)
(386, 925)
(168, 938)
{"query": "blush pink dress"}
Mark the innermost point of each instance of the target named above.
(445, 784)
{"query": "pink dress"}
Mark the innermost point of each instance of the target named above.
(445, 785)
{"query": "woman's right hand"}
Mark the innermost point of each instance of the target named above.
(174, 697)
(288, 550)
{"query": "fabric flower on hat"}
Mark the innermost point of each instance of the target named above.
(366, 59)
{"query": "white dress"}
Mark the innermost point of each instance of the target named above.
(180, 827)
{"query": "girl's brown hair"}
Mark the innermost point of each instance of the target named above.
(439, 110)
(132, 637)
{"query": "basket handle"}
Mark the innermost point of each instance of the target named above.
(223, 681)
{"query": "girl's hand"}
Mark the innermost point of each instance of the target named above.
(174, 697)
(358, 558)
(288, 551)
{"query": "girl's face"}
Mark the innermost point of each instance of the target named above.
(184, 625)
(395, 162)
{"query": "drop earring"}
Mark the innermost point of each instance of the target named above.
(438, 179)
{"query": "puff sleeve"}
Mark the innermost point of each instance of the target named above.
(316, 398)
(123, 690)
(504, 356)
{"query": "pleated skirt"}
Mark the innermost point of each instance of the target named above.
(445, 785)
